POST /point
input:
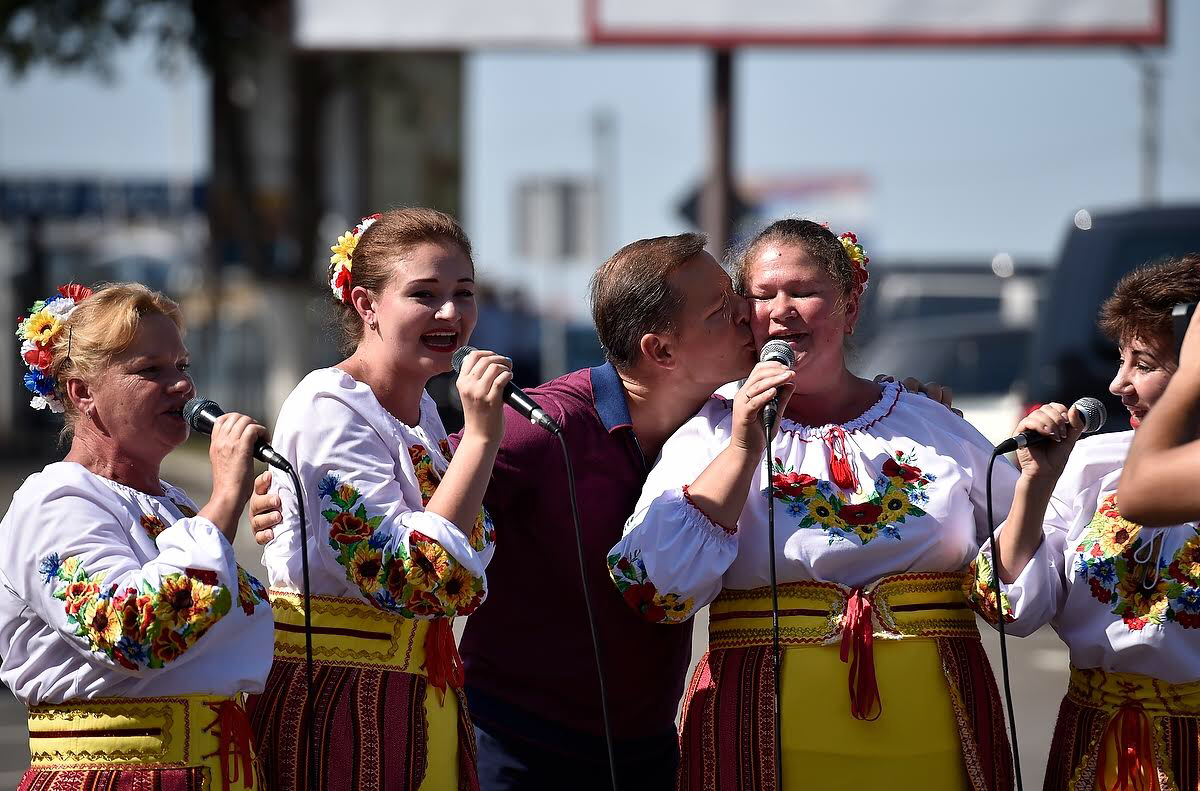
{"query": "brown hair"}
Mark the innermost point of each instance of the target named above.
(390, 238)
(631, 296)
(1140, 305)
(101, 327)
(815, 239)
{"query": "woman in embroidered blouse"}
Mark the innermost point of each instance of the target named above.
(1124, 598)
(122, 606)
(879, 505)
(397, 538)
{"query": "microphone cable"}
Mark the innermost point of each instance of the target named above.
(768, 425)
(995, 582)
(308, 717)
(591, 616)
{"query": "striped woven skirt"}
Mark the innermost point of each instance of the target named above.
(184, 743)
(886, 687)
(381, 724)
(1125, 732)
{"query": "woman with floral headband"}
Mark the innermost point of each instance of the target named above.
(126, 625)
(1124, 598)
(879, 506)
(397, 538)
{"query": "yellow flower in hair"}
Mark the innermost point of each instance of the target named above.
(41, 327)
(344, 249)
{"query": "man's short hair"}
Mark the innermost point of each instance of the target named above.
(631, 296)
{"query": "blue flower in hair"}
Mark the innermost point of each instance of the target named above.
(37, 382)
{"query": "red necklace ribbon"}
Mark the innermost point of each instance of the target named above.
(857, 634)
(840, 468)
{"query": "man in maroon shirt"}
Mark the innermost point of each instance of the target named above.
(673, 332)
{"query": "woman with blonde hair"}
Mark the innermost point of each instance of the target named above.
(126, 625)
(397, 539)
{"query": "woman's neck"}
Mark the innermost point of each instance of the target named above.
(397, 391)
(100, 456)
(839, 401)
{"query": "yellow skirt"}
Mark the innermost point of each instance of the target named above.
(184, 742)
(384, 724)
(886, 687)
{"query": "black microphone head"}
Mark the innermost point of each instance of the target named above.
(194, 411)
(779, 351)
(460, 354)
(1093, 413)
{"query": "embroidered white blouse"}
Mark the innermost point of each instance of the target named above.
(367, 477)
(1122, 597)
(106, 591)
(915, 502)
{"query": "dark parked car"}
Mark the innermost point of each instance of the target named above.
(1070, 357)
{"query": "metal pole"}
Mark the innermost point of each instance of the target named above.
(1151, 147)
(715, 208)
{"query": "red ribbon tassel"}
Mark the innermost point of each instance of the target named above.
(840, 468)
(234, 743)
(1131, 734)
(443, 665)
(857, 634)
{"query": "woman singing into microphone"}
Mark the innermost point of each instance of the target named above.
(1124, 598)
(397, 538)
(878, 509)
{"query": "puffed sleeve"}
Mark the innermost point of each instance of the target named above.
(70, 558)
(369, 529)
(1034, 598)
(672, 557)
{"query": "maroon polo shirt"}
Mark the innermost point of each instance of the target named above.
(530, 669)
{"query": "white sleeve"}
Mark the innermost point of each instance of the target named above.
(69, 557)
(672, 557)
(366, 529)
(1039, 591)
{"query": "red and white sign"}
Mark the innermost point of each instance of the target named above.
(571, 24)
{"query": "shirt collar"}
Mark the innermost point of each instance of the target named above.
(608, 394)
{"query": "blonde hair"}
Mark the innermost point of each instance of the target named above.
(100, 328)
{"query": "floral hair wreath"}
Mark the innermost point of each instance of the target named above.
(37, 333)
(858, 258)
(341, 261)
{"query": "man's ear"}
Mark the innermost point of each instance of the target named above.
(659, 350)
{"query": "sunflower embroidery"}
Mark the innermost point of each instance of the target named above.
(1125, 571)
(633, 583)
(417, 579)
(898, 493)
(979, 593)
(138, 627)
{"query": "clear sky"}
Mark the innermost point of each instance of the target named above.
(963, 153)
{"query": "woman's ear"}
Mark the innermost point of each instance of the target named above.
(79, 393)
(363, 303)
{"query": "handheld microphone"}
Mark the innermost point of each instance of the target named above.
(201, 414)
(1094, 415)
(778, 351)
(525, 406)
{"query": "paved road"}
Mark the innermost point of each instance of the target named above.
(1039, 663)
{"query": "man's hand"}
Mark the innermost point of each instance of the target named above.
(266, 510)
(940, 393)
